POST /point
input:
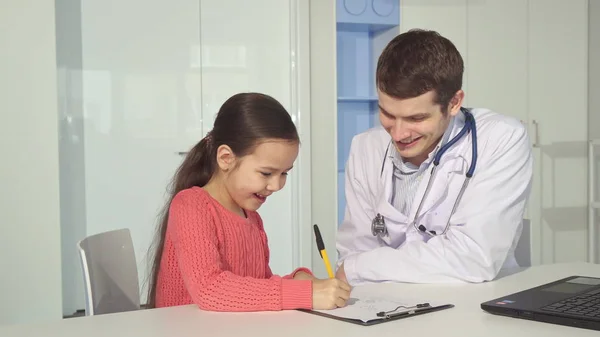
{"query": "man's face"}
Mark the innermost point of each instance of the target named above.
(416, 124)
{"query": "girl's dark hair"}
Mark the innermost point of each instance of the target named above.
(242, 122)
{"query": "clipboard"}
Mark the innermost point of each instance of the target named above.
(384, 317)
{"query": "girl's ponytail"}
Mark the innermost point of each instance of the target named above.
(197, 169)
(198, 166)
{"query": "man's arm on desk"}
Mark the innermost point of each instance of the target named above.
(482, 229)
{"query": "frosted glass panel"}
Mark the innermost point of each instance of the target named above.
(246, 47)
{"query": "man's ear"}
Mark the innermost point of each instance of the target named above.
(225, 158)
(456, 103)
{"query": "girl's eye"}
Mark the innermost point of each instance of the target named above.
(266, 174)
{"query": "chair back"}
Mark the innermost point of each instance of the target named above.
(110, 273)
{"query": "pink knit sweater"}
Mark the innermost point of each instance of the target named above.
(220, 261)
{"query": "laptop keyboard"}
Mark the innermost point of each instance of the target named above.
(586, 305)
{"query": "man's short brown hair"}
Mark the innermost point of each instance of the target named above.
(418, 61)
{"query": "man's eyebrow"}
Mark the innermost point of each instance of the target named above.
(418, 114)
(383, 110)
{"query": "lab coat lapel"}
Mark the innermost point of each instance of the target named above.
(395, 221)
(452, 164)
(450, 167)
(385, 207)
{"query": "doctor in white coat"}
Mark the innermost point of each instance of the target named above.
(402, 225)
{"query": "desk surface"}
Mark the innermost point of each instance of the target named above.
(466, 319)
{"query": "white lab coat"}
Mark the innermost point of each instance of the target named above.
(484, 229)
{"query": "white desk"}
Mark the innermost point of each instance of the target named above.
(466, 319)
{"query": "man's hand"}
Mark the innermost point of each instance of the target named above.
(303, 276)
(341, 274)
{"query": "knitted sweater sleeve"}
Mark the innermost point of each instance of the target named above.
(213, 287)
(267, 254)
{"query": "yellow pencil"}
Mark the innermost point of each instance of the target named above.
(322, 251)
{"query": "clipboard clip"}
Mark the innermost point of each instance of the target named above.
(406, 311)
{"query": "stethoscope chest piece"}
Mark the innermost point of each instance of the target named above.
(378, 226)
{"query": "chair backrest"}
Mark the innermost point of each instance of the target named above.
(523, 249)
(110, 273)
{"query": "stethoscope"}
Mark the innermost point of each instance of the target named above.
(378, 227)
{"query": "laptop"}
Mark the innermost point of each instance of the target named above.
(573, 301)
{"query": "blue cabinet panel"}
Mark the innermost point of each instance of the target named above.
(371, 15)
(355, 78)
(358, 23)
(377, 12)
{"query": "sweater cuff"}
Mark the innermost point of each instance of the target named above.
(296, 294)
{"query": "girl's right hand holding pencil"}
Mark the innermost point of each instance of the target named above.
(330, 293)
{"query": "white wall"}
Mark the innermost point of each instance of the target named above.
(594, 105)
(30, 281)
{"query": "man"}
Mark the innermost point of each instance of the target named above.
(390, 231)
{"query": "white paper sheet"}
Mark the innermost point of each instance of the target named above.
(365, 307)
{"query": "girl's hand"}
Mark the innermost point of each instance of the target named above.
(330, 293)
(303, 276)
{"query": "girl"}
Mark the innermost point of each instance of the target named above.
(212, 249)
